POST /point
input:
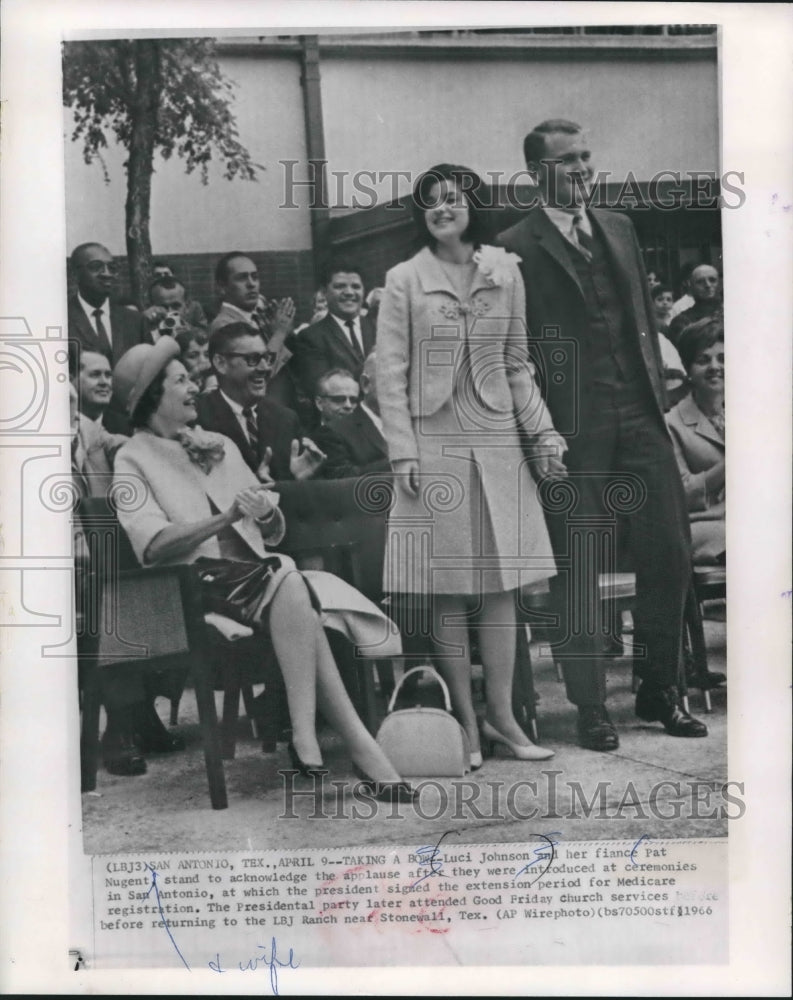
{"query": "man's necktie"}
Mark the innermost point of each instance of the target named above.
(357, 346)
(78, 475)
(101, 331)
(252, 428)
(585, 242)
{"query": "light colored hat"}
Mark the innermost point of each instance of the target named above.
(139, 367)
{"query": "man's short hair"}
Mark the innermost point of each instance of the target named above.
(534, 143)
(167, 284)
(323, 379)
(78, 251)
(222, 266)
(339, 265)
(660, 290)
(221, 340)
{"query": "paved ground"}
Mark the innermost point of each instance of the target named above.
(646, 787)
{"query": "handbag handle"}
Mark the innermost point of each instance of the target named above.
(420, 670)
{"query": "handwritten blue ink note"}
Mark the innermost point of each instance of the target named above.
(543, 857)
(430, 858)
(644, 836)
(162, 914)
(261, 959)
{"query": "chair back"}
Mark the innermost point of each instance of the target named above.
(339, 525)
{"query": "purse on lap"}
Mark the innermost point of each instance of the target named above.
(424, 742)
(237, 590)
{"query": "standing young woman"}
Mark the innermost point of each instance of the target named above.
(462, 416)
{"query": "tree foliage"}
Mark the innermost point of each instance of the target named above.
(193, 116)
(154, 95)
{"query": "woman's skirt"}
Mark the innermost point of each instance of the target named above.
(244, 592)
(477, 525)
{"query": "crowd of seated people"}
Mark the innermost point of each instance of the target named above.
(301, 402)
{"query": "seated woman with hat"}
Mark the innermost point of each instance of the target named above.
(198, 502)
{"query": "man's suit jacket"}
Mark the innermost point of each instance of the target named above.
(127, 328)
(353, 445)
(323, 346)
(96, 448)
(556, 312)
(277, 425)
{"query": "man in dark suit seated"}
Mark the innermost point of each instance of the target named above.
(343, 338)
(267, 434)
(354, 442)
(96, 323)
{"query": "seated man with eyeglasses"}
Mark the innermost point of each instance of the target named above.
(337, 394)
(96, 323)
(353, 441)
(267, 434)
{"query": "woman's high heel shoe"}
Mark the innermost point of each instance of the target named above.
(476, 760)
(489, 736)
(306, 770)
(385, 791)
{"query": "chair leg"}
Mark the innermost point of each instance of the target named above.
(231, 707)
(89, 730)
(248, 701)
(524, 696)
(207, 714)
(174, 716)
(695, 646)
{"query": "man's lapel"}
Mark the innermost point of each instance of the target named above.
(369, 334)
(230, 426)
(335, 331)
(368, 431)
(542, 232)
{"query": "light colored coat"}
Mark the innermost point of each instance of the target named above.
(156, 485)
(423, 329)
(698, 447)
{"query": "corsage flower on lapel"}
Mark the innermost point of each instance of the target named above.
(494, 264)
(203, 447)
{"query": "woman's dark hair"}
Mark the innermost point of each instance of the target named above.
(698, 337)
(470, 184)
(661, 289)
(148, 402)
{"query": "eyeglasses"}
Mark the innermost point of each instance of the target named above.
(97, 266)
(255, 358)
(339, 400)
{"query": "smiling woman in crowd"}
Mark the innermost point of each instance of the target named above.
(697, 428)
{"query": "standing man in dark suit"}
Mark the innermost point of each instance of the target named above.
(354, 442)
(267, 434)
(96, 323)
(343, 338)
(593, 339)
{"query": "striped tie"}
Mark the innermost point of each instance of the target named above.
(252, 428)
(585, 242)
